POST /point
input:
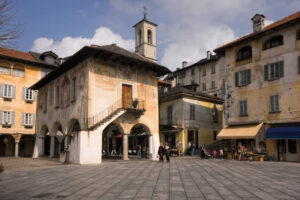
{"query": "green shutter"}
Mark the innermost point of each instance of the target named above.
(241, 108)
(299, 64)
(266, 72)
(249, 76)
(281, 69)
(236, 79)
(271, 104)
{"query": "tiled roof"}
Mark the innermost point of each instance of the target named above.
(200, 62)
(276, 24)
(31, 57)
(182, 90)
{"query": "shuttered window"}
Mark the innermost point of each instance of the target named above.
(19, 72)
(4, 69)
(7, 91)
(243, 78)
(274, 103)
(7, 117)
(192, 112)
(28, 94)
(28, 119)
(243, 108)
(203, 71)
(170, 113)
(203, 86)
(274, 71)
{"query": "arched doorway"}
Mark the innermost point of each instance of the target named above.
(7, 145)
(112, 141)
(138, 142)
(26, 145)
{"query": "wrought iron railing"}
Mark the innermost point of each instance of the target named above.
(134, 104)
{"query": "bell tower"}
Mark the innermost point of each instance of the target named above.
(145, 38)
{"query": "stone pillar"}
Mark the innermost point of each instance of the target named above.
(17, 149)
(52, 146)
(125, 147)
(150, 148)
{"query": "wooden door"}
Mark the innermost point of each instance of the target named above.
(127, 96)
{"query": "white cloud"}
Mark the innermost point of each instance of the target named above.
(69, 45)
(268, 22)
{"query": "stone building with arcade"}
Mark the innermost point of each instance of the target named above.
(101, 101)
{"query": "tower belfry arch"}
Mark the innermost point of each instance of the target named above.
(145, 37)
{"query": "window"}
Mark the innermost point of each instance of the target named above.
(215, 113)
(170, 113)
(193, 71)
(149, 33)
(44, 72)
(140, 37)
(273, 42)
(274, 71)
(49, 60)
(203, 86)
(274, 103)
(243, 108)
(4, 69)
(243, 78)
(213, 85)
(203, 71)
(57, 96)
(244, 53)
(28, 94)
(292, 146)
(7, 117)
(19, 70)
(8, 91)
(215, 133)
(27, 119)
(181, 74)
(73, 90)
(192, 112)
(45, 102)
(213, 69)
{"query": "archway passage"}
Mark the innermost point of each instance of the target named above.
(72, 142)
(57, 129)
(139, 141)
(47, 141)
(26, 145)
(7, 145)
(112, 141)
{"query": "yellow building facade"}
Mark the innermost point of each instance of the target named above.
(18, 71)
(188, 116)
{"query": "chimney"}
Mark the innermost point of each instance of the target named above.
(208, 55)
(258, 22)
(184, 64)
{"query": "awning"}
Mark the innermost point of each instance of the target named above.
(290, 132)
(240, 132)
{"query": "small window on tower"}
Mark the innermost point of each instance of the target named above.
(149, 36)
(140, 37)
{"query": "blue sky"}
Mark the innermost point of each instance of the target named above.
(186, 29)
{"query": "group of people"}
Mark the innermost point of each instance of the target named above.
(190, 149)
(164, 150)
(213, 154)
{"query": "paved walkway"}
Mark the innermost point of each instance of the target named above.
(182, 178)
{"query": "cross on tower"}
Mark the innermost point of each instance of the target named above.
(145, 12)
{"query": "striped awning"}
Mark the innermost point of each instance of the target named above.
(240, 132)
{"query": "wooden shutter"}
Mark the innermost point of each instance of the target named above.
(1, 117)
(1, 90)
(24, 93)
(34, 93)
(281, 69)
(248, 76)
(13, 91)
(276, 99)
(266, 72)
(236, 79)
(12, 117)
(245, 107)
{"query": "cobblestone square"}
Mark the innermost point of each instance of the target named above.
(182, 178)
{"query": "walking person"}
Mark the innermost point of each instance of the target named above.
(192, 148)
(189, 148)
(221, 154)
(160, 152)
(167, 151)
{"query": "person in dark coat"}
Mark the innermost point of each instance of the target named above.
(161, 152)
(167, 151)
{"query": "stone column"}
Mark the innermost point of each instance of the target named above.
(17, 149)
(125, 147)
(52, 146)
(150, 148)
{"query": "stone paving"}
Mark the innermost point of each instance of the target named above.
(182, 178)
